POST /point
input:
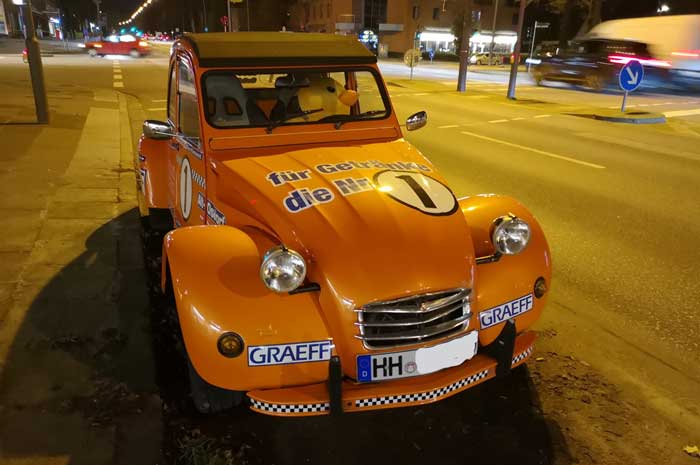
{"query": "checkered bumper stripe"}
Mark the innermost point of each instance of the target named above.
(422, 396)
(290, 408)
(522, 356)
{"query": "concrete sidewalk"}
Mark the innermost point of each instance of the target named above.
(76, 371)
(48, 46)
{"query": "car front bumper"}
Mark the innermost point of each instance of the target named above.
(314, 399)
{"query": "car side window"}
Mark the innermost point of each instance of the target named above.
(188, 114)
(172, 95)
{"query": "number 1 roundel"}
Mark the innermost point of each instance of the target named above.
(417, 190)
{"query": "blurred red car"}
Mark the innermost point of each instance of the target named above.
(126, 44)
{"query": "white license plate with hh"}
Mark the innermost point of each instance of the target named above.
(417, 362)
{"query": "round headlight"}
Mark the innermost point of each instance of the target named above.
(282, 270)
(510, 235)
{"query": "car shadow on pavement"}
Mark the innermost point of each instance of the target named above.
(77, 383)
(498, 422)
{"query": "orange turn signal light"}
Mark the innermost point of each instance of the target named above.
(230, 345)
(540, 287)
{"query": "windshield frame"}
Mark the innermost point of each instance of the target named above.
(282, 70)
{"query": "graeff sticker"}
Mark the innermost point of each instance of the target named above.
(506, 311)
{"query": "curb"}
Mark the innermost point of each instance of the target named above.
(640, 117)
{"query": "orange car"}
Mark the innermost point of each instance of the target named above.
(318, 262)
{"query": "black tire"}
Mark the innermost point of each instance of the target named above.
(538, 77)
(152, 242)
(206, 398)
(211, 399)
(595, 82)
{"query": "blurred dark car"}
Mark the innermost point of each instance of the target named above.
(596, 64)
(126, 44)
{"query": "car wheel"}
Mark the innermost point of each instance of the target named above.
(594, 82)
(92, 52)
(206, 398)
(211, 399)
(133, 53)
(538, 77)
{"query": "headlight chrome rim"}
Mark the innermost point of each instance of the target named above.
(282, 269)
(511, 235)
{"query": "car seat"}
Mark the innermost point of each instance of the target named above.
(227, 102)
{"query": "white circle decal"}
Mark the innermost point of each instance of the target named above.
(417, 190)
(185, 188)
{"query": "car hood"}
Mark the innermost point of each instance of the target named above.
(375, 222)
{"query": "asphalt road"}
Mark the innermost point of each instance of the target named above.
(618, 203)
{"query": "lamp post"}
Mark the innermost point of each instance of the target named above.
(493, 30)
(464, 49)
(516, 56)
(36, 69)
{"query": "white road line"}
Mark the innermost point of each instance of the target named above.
(517, 119)
(675, 114)
(530, 149)
(117, 77)
(643, 105)
(498, 121)
(420, 95)
(160, 100)
(657, 104)
(448, 126)
(157, 109)
(543, 116)
(118, 84)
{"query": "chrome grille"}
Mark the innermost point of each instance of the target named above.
(413, 319)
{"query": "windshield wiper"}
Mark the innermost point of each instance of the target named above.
(339, 124)
(277, 122)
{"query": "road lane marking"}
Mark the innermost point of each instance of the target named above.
(157, 109)
(117, 76)
(543, 116)
(420, 95)
(517, 119)
(530, 149)
(118, 84)
(675, 114)
(160, 100)
(498, 121)
(449, 126)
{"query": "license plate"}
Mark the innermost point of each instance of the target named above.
(417, 362)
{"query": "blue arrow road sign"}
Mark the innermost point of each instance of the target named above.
(631, 76)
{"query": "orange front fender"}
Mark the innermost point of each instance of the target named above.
(214, 272)
(512, 276)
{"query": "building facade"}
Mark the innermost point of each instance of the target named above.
(394, 26)
(46, 19)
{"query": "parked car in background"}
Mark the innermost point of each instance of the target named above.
(125, 44)
(483, 59)
(596, 64)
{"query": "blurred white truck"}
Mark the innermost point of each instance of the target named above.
(675, 39)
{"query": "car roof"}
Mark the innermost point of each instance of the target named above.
(276, 48)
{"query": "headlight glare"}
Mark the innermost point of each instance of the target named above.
(510, 235)
(282, 269)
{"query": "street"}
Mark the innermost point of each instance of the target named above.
(615, 376)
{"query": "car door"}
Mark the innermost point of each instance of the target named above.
(110, 44)
(188, 175)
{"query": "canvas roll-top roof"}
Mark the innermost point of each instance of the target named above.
(276, 48)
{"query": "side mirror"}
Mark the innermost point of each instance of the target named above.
(416, 121)
(153, 129)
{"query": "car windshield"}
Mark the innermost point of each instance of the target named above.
(237, 99)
